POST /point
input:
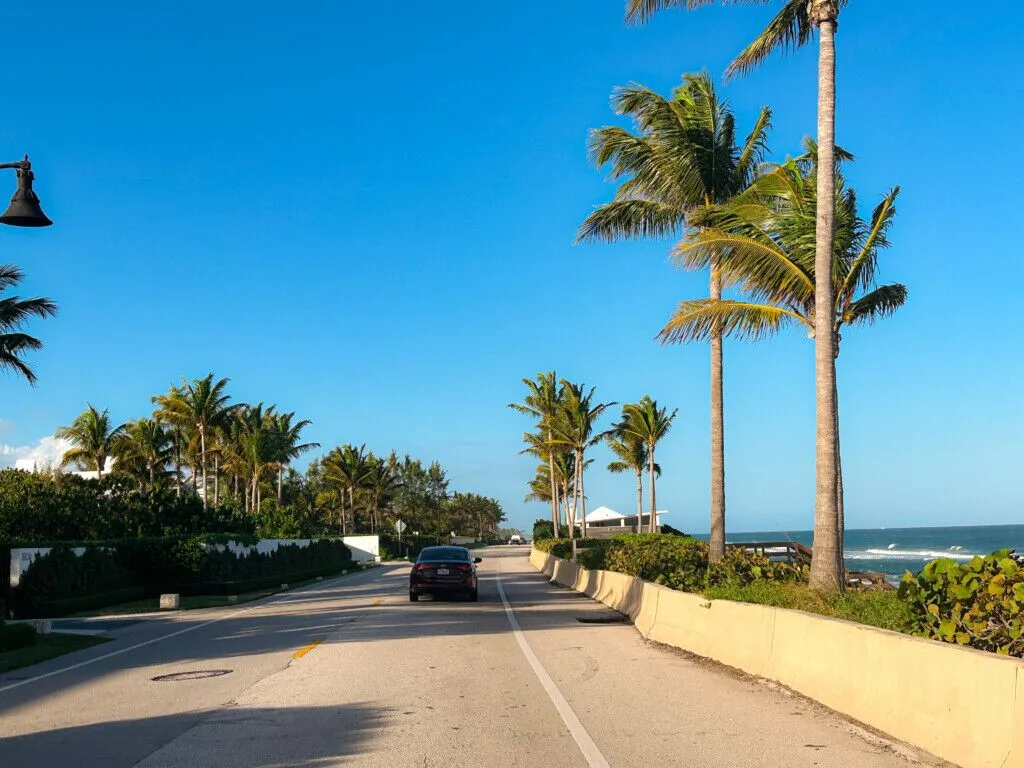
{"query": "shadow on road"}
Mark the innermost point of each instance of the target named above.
(234, 736)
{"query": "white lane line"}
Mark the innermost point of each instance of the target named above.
(590, 750)
(87, 662)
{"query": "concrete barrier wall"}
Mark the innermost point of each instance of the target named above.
(962, 705)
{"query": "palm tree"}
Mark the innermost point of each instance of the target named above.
(202, 405)
(792, 28)
(768, 234)
(683, 157)
(346, 468)
(254, 447)
(646, 422)
(166, 413)
(91, 438)
(14, 313)
(382, 480)
(542, 402)
(287, 448)
(574, 427)
(143, 450)
(631, 455)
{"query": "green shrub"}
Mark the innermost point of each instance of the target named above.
(593, 557)
(14, 636)
(980, 603)
(543, 529)
(877, 608)
(674, 561)
(740, 567)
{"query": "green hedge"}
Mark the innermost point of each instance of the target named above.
(543, 529)
(162, 564)
(66, 606)
(14, 636)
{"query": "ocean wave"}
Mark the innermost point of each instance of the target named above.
(908, 554)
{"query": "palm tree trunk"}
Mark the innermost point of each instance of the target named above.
(827, 562)
(280, 481)
(216, 480)
(716, 541)
(639, 499)
(840, 502)
(554, 489)
(177, 464)
(583, 500)
(654, 515)
(202, 460)
(100, 461)
(195, 480)
(152, 474)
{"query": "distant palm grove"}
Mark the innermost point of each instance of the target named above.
(201, 463)
(775, 257)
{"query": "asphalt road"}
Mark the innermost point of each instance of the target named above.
(550, 679)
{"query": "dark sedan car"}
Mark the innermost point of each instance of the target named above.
(444, 570)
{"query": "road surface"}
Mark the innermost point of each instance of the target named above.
(350, 673)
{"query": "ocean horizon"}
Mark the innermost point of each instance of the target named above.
(893, 551)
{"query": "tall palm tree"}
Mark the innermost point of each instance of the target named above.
(143, 450)
(542, 401)
(631, 456)
(382, 481)
(286, 436)
(792, 28)
(574, 427)
(91, 437)
(14, 313)
(646, 422)
(683, 157)
(768, 234)
(202, 405)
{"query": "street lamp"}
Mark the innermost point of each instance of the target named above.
(24, 210)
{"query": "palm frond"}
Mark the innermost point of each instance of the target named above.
(862, 269)
(879, 303)
(790, 29)
(627, 219)
(698, 320)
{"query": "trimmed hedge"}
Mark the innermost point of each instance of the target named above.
(14, 636)
(66, 606)
(61, 582)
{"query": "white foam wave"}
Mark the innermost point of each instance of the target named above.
(956, 553)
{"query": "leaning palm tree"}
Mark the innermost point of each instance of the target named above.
(542, 401)
(143, 450)
(646, 422)
(792, 28)
(768, 236)
(630, 456)
(91, 438)
(14, 313)
(200, 405)
(574, 427)
(683, 156)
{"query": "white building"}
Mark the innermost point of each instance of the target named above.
(606, 517)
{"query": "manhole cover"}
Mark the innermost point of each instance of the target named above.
(195, 674)
(603, 619)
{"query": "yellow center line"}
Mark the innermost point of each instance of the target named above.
(306, 649)
(378, 601)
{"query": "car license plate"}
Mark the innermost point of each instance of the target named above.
(442, 571)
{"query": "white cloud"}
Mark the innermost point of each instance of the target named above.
(45, 453)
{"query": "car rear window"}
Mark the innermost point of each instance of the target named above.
(444, 553)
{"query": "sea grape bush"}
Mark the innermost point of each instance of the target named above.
(979, 604)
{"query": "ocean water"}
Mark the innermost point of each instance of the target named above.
(894, 550)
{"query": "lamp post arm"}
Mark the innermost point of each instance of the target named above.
(23, 165)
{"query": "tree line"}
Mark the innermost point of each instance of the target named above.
(199, 444)
(758, 229)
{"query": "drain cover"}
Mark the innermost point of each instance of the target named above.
(195, 674)
(606, 618)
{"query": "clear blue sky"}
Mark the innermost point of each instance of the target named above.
(365, 213)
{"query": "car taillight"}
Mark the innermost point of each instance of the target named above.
(463, 566)
(422, 567)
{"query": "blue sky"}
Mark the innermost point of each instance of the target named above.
(365, 213)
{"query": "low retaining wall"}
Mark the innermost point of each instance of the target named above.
(962, 705)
